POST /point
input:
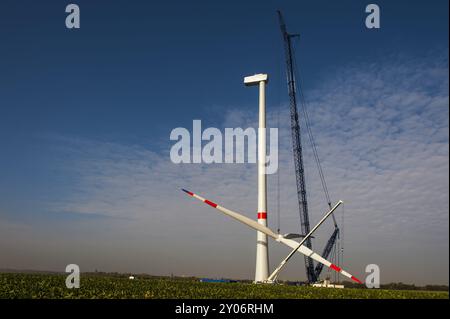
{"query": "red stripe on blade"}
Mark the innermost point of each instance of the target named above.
(356, 279)
(262, 215)
(333, 266)
(210, 203)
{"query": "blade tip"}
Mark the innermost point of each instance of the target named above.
(187, 192)
(357, 280)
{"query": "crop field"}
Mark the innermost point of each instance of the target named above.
(52, 286)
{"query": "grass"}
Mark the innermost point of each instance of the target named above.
(52, 286)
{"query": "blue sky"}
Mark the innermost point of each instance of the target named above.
(85, 118)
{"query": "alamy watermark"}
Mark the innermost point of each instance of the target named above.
(236, 145)
(73, 17)
(373, 19)
(373, 277)
(73, 279)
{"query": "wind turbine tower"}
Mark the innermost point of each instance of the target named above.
(262, 250)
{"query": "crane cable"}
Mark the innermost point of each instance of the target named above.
(342, 237)
(278, 127)
(298, 84)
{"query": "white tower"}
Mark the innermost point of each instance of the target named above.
(262, 251)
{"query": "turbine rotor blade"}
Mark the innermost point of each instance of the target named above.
(239, 217)
(288, 242)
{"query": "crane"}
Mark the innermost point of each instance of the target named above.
(312, 272)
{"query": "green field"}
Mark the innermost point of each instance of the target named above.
(106, 286)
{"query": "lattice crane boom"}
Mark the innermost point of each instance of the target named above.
(297, 146)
